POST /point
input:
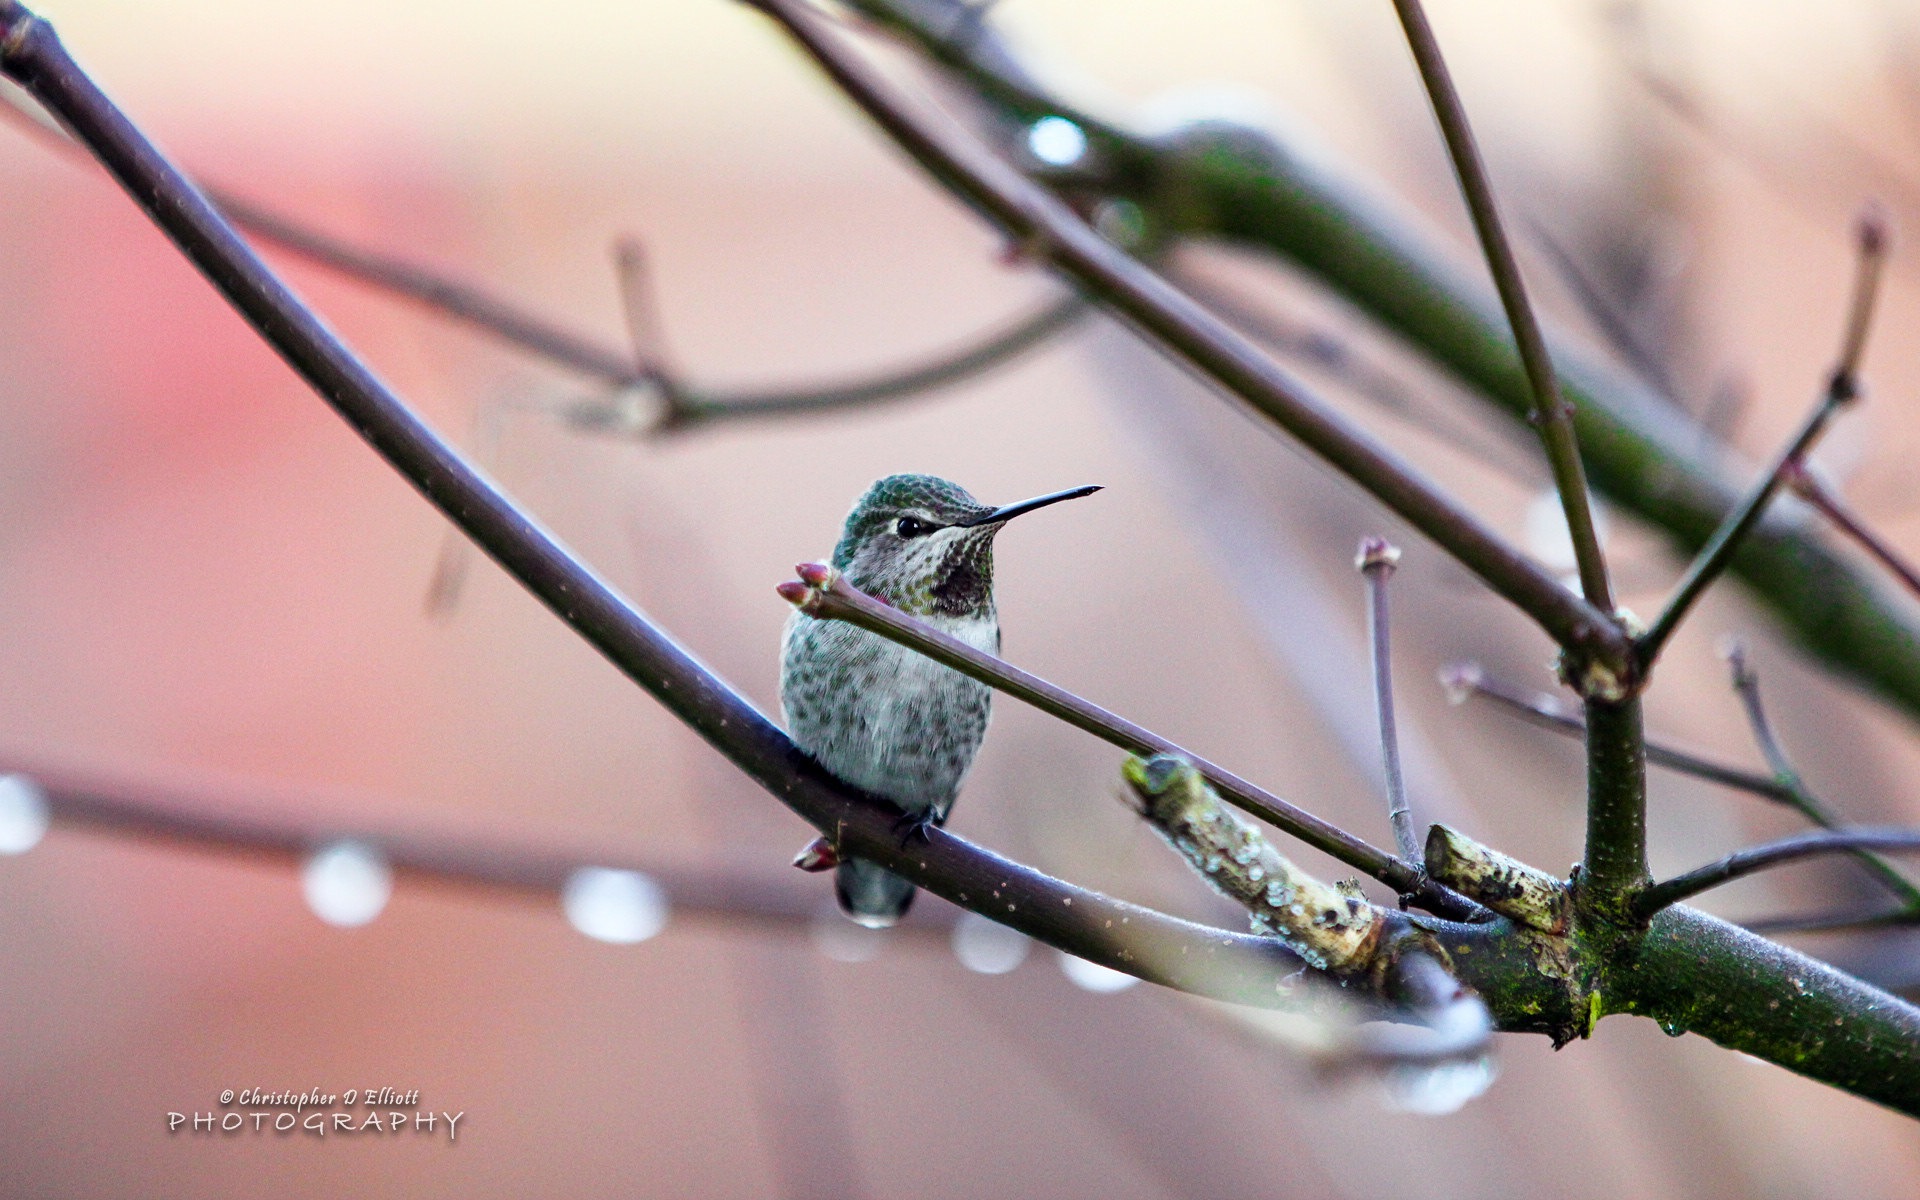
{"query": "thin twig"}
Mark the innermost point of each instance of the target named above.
(824, 593)
(1805, 484)
(686, 405)
(1552, 414)
(1746, 682)
(1157, 947)
(1034, 217)
(1462, 680)
(1842, 388)
(1746, 862)
(1376, 560)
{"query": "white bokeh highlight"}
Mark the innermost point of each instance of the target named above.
(608, 905)
(1093, 977)
(988, 947)
(347, 883)
(1435, 1091)
(1056, 141)
(24, 815)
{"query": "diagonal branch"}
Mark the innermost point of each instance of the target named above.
(825, 594)
(1804, 483)
(1552, 415)
(1156, 947)
(1035, 218)
(1247, 186)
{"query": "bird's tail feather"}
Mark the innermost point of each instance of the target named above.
(870, 894)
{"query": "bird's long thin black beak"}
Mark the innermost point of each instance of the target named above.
(1009, 512)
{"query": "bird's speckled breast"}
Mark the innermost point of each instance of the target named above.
(882, 717)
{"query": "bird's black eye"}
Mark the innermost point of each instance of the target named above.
(913, 527)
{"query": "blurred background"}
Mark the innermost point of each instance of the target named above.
(211, 592)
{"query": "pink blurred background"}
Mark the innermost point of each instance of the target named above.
(207, 583)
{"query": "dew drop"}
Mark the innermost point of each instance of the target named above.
(988, 947)
(1435, 1091)
(622, 907)
(347, 883)
(1093, 977)
(24, 815)
(1673, 1028)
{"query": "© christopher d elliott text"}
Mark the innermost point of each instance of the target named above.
(318, 1113)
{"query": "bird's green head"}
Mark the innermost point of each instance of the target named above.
(925, 545)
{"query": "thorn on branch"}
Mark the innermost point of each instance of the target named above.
(817, 855)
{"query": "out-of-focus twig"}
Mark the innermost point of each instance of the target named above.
(1462, 680)
(1746, 683)
(683, 405)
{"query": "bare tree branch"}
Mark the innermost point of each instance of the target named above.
(1377, 559)
(1156, 947)
(1552, 414)
(1469, 679)
(1842, 387)
(1806, 484)
(1331, 926)
(1746, 682)
(1767, 855)
(1037, 219)
(825, 594)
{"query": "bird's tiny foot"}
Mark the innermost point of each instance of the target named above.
(912, 826)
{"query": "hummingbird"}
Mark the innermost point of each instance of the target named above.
(889, 720)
